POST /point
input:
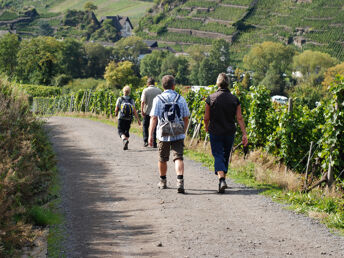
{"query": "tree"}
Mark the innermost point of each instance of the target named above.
(216, 63)
(119, 74)
(73, 59)
(332, 72)
(150, 65)
(176, 66)
(9, 47)
(107, 32)
(270, 62)
(39, 60)
(205, 73)
(312, 65)
(129, 49)
(97, 59)
(194, 74)
(219, 56)
(90, 7)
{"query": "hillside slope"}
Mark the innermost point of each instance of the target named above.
(308, 24)
(135, 9)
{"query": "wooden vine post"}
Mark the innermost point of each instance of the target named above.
(330, 177)
(307, 167)
(290, 111)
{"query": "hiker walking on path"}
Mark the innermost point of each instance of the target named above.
(170, 114)
(125, 108)
(147, 97)
(219, 119)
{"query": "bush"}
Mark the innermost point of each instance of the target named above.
(40, 91)
(62, 79)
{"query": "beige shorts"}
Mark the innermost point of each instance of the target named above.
(177, 148)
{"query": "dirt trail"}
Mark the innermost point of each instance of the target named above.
(114, 209)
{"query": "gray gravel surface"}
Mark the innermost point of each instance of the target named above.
(113, 207)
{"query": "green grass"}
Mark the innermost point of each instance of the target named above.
(133, 8)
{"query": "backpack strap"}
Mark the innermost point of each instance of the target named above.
(176, 98)
(163, 100)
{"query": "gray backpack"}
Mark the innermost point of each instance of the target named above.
(171, 121)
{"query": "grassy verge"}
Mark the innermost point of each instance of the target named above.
(281, 187)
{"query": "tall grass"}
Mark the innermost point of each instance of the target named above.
(26, 169)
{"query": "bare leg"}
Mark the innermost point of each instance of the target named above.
(221, 174)
(123, 137)
(179, 166)
(162, 168)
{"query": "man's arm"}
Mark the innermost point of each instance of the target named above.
(241, 123)
(137, 116)
(142, 105)
(152, 124)
(186, 121)
(206, 116)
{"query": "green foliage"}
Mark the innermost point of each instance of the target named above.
(270, 61)
(258, 124)
(9, 47)
(129, 49)
(150, 65)
(107, 32)
(312, 65)
(305, 94)
(176, 66)
(73, 58)
(27, 164)
(117, 75)
(98, 58)
(43, 217)
(332, 142)
(38, 60)
(90, 6)
(40, 91)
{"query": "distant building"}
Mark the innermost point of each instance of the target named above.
(121, 23)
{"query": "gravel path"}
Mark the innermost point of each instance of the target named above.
(114, 209)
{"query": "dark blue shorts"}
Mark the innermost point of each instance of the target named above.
(221, 146)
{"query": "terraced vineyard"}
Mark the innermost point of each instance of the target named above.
(316, 24)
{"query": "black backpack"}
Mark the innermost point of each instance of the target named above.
(126, 111)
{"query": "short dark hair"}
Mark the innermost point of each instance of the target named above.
(222, 81)
(168, 82)
(150, 81)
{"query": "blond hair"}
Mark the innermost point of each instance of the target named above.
(126, 90)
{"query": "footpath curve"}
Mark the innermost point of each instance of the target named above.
(113, 208)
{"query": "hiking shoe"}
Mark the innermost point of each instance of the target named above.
(180, 186)
(145, 144)
(222, 186)
(125, 144)
(162, 184)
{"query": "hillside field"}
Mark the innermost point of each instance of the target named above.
(316, 25)
(133, 8)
